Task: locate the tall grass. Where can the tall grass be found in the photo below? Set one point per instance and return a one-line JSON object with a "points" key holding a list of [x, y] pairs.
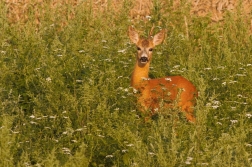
{"points": [[66, 99]]}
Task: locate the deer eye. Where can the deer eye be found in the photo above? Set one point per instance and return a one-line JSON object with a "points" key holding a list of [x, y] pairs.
{"points": [[138, 48], [151, 49]]}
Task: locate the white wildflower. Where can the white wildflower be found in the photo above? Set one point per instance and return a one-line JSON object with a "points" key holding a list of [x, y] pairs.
{"points": [[66, 150], [232, 82], [148, 17], [215, 107], [202, 164], [135, 164], [124, 151], [241, 75], [239, 95], [233, 121], [130, 145], [151, 153], [3, 52], [248, 145], [176, 66], [121, 51], [208, 104], [233, 108], [14, 132], [79, 130], [188, 160], [135, 90], [109, 156], [32, 122], [145, 79], [216, 102], [168, 79], [32, 116], [48, 79], [101, 136], [108, 60], [248, 115], [27, 164]]}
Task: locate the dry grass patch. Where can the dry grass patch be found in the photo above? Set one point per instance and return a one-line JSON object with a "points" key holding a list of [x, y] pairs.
{"points": [[21, 10], [218, 8]]}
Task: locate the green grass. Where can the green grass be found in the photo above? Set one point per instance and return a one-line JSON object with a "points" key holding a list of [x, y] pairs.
{"points": [[66, 98]]}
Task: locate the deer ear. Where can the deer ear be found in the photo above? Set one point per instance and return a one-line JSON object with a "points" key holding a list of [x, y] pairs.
{"points": [[159, 37], [133, 35]]}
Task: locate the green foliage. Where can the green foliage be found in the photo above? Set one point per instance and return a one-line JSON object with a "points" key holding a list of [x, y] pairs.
{"points": [[66, 99]]}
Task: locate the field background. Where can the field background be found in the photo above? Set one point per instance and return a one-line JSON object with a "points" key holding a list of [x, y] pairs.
{"points": [[65, 94]]}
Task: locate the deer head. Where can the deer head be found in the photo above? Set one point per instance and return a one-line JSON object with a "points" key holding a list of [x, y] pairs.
{"points": [[145, 46]]}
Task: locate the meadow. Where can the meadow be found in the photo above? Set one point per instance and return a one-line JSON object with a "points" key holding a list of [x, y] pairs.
{"points": [[66, 98]]}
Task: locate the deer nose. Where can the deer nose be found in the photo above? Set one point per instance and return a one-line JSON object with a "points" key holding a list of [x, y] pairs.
{"points": [[144, 59]]}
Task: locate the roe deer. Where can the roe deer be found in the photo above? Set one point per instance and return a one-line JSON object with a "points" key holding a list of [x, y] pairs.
{"points": [[154, 91]]}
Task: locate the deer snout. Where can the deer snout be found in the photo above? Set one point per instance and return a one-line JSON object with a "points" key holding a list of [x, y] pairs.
{"points": [[144, 58]]}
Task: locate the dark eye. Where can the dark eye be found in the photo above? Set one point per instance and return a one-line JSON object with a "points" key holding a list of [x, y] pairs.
{"points": [[150, 49], [138, 48]]}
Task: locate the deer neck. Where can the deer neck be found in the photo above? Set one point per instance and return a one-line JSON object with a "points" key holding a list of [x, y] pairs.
{"points": [[140, 73]]}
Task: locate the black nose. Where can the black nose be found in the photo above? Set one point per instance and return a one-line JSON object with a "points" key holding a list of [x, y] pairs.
{"points": [[144, 59]]}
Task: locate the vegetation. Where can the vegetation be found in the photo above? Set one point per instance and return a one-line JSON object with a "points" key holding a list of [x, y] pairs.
{"points": [[66, 99]]}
